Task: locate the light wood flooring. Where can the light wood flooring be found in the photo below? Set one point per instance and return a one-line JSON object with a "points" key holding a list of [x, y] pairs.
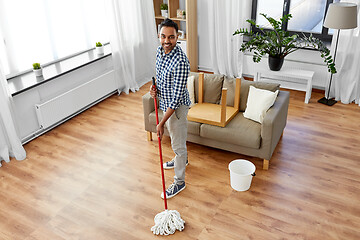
{"points": [[97, 177]]}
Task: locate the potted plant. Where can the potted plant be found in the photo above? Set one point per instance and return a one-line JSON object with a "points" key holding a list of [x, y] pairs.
{"points": [[37, 69], [164, 10], [99, 48], [184, 14], [277, 43]]}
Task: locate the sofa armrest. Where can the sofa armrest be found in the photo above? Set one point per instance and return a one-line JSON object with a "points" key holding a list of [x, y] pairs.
{"points": [[274, 124], [149, 107]]}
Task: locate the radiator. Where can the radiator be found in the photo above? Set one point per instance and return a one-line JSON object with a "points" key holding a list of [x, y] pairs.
{"points": [[70, 102]]}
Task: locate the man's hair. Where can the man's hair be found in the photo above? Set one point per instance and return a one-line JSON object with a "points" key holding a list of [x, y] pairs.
{"points": [[169, 23]]}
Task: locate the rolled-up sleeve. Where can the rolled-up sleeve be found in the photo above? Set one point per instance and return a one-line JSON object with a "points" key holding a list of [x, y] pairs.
{"points": [[181, 73]]}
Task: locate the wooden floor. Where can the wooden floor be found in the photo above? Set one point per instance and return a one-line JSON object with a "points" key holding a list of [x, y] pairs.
{"points": [[97, 177]]}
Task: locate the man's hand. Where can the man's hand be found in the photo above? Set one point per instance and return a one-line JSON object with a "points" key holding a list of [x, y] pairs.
{"points": [[160, 130], [152, 91], [160, 126]]}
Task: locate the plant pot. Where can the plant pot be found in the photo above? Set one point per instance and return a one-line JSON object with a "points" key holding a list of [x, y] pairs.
{"points": [[275, 63], [164, 13], [38, 72], [100, 50]]}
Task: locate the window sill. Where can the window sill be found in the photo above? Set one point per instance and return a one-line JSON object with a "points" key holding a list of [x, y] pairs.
{"points": [[26, 81]]}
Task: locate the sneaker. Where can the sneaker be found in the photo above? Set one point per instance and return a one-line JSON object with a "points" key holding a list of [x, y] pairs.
{"points": [[173, 189], [171, 164]]}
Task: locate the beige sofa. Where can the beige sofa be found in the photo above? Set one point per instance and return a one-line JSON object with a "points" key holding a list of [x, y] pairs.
{"points": [[240, 135]]}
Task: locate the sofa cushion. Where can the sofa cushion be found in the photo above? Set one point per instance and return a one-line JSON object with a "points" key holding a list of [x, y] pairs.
{"points": [[193, 127], [212, 87], [239, 131], [259, 101], [245, 84], [230, 85]]}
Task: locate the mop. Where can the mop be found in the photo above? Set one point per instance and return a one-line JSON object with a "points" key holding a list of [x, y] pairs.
{"points": [[168, 221]]}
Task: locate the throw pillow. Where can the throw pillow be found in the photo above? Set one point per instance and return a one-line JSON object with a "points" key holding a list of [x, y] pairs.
{"points": [[230, 85], [191, 89], [212, 87], [258, 102], [244, 93]]}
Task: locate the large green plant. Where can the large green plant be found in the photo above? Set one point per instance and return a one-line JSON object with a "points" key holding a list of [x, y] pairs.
{"points": [[279, 43]]}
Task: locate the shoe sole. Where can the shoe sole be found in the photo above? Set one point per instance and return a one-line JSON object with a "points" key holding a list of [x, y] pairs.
{"points": [[174, 194], [173, 167]]}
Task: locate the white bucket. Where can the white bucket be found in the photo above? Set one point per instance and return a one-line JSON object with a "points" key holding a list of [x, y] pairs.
{"points": [[241, 174]]}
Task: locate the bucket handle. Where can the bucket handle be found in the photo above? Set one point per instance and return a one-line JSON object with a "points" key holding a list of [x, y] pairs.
{"points": [[253, 174]]}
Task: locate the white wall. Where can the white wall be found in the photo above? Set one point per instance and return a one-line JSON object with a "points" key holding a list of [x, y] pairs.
{"points": [[301, 59]]}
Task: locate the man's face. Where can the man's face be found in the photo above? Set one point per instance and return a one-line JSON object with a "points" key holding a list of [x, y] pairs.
{"points": [[168, 38]]}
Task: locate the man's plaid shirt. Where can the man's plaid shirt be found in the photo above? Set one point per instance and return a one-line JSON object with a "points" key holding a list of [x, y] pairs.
{"points": [[172, 71]]}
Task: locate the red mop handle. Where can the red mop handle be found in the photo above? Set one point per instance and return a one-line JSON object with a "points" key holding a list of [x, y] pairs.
{"points": [[160, 152]]}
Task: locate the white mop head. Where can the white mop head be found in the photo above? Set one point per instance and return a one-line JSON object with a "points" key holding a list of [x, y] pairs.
{"points": [[167, 222]]}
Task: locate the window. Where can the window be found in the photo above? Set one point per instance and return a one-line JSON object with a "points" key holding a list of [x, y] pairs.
{"points": [[307, 15], [43, 30]]}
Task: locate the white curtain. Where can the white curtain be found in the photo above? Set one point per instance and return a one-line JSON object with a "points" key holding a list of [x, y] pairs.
{"points": [[43, 31], [225, 16], [10, 145], [346, 81], [133, 41]]}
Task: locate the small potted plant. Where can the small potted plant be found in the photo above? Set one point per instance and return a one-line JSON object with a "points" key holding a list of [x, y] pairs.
{"points": [[183, 15], [37, 69], [99, 48], [164, 10]]}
